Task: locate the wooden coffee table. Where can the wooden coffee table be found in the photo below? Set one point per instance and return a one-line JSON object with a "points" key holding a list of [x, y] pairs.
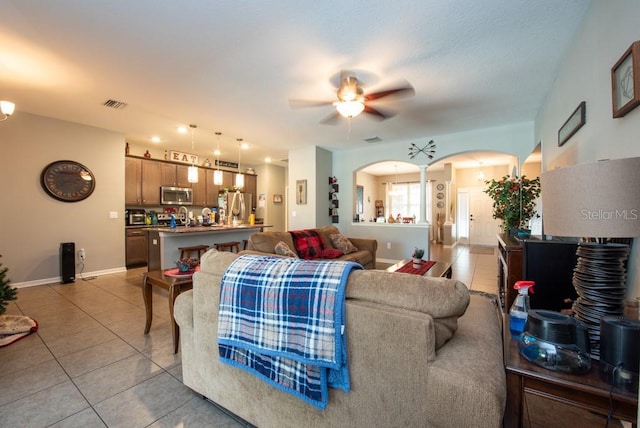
{"points": [[175, 285], [440, 269]]}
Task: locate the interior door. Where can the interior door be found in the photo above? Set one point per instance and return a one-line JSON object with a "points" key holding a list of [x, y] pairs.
{"points": [[482, 226], [462, 216]]}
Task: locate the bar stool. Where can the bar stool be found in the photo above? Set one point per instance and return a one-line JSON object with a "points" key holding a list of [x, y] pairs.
{"points": [[228, 246], [198, 249]]}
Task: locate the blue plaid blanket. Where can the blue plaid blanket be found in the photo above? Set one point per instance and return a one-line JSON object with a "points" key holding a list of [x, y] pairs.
{"points": [[282, 319]]}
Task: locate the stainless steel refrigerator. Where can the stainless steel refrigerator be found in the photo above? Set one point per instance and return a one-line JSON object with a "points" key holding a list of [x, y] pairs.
{"points": [[236, 205]]}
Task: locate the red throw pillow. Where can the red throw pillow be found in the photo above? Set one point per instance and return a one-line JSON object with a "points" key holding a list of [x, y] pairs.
{"points": [[308, 243], [330, 253]]}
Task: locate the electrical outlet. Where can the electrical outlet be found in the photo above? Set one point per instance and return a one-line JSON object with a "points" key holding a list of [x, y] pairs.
{"points": [[82, 255], [388, 245]]}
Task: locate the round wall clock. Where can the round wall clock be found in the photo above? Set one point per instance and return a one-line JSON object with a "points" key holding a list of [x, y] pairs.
{"points": [[67, 181]]}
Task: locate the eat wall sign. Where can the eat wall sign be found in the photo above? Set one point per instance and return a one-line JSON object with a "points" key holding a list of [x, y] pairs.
{"points": [[184, 158]]}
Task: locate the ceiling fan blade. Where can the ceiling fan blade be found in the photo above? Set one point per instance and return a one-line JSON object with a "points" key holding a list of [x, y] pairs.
{"points": [[308, 103], [405, 91], [376, 113], [332, 119]]}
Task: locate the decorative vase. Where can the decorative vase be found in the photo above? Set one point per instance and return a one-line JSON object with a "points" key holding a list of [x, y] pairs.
{"points": [[417, 263]]}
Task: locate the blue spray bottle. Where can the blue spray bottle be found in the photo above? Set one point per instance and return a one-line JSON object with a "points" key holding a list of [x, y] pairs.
{"points": [[172, 224], [520, 308]]}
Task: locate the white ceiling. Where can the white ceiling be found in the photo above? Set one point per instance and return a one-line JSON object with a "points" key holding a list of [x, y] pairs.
{"points": [[232, 66]]}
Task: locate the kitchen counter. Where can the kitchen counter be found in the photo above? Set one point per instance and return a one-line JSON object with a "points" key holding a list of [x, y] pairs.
{"points": [[163, 242], [207, 229]]}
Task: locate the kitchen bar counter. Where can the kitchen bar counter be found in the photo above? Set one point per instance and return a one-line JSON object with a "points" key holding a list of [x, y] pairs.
{"points": [[163, 242]]}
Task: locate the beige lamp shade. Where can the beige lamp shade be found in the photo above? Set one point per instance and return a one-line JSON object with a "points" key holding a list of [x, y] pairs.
{"points": [[597, 200]]}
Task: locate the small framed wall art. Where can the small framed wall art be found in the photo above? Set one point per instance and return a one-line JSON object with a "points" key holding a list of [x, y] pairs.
{"points": [[301, 192], [575, 122], [625, 81]]}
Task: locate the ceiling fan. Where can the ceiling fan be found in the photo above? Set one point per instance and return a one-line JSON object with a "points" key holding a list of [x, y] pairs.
{"points": [[352, 100]]}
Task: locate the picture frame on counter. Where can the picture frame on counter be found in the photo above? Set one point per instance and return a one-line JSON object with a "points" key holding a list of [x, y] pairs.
{"points": [[625, 81], [577, 119]]}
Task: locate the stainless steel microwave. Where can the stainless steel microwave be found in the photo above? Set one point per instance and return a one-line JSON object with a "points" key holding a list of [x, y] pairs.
{"points": [[176, 195]]}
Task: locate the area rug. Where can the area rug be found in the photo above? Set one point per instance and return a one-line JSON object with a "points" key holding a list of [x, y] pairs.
{"points": [[475, 249], [490, 296], [15, 327], [424, 267]]}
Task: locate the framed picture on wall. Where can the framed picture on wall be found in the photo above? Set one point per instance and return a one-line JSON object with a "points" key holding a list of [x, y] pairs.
{"points": [[575, 122], [625, 81], [301, 192], [277, 198]]}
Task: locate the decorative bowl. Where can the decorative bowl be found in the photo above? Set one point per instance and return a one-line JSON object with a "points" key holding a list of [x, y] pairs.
{"points": [[186, 265]]}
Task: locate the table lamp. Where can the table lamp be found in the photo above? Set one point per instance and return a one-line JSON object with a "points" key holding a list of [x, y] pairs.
{"points": [[600, 203]]}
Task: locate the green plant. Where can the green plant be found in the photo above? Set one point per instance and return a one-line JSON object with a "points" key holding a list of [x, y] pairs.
{"points": [[514, 200], [7, 293], [417, 253]]}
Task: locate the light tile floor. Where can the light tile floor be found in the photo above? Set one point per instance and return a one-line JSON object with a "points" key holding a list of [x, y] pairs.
{"points": [[90, 365]]}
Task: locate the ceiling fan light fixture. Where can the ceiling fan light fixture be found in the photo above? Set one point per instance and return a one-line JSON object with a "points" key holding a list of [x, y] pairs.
{"points": [[349, 108], [7, 108]]}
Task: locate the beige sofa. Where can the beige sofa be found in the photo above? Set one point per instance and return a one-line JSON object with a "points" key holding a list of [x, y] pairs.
{"points": [[265, 242], [413, 361]]}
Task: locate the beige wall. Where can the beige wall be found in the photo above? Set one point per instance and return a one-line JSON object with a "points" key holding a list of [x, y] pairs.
{"points": [[608, 30], [33, 224], [271, 180]]}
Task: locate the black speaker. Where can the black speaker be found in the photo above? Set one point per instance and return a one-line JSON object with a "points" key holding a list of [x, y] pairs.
{"points": [[67, 262], [619, 351]]}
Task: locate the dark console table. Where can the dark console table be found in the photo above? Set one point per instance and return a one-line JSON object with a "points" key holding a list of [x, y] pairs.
{"points": [[586, 392], [549, 263], [509, 269]]}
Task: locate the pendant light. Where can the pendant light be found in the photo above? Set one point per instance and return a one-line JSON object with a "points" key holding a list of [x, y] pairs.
{"points": [[480, 173], [239, 175], [192, 172], [217, 174]]}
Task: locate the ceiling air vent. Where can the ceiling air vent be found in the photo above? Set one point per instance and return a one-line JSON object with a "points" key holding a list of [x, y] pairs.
{"points": [[118, 105], [375, 139]]}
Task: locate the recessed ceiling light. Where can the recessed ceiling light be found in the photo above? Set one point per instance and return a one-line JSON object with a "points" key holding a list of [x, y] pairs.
{"points": [[182, 129], [155, 139], [244, 146], [267, 159], [216, 152]]}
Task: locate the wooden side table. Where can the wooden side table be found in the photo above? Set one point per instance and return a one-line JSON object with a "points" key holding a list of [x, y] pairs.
{"points": [[175, 285], [587, 392]]}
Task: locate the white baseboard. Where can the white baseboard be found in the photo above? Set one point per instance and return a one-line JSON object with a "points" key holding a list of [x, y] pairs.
{"points": [[57, 279]]}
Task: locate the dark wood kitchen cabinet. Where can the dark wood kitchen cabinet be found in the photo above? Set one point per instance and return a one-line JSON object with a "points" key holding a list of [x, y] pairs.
{"points": [[141, 182], [132, 181], [251, 187], [175, 175], [150, 186], [136, 247], [144, 177], [212, 190]]}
